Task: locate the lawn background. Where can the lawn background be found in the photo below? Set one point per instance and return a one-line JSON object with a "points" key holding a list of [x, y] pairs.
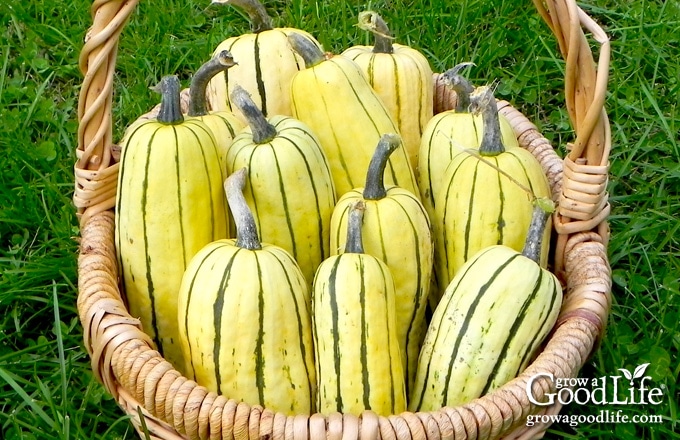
{"points": [[46, 387]]}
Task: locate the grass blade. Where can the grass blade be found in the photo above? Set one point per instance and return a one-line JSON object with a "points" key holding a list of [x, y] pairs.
{"points": [[62, 358], [8, 377]]}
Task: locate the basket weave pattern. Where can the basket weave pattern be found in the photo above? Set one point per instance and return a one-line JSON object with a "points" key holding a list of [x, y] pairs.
{"points": [[169, 406]]}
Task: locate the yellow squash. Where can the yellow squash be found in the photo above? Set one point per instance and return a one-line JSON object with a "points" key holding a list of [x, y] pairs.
{"points": [[170, 204], [448, 134], [333, 97], [494, 315], [290, 187], [358, 360], [396, 230], [402, 78], [486, 196], [244, 318], [224, 124], [266, 63]]}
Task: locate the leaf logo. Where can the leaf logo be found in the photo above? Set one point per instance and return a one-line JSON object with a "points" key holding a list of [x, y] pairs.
{"points": [[639, 372]]}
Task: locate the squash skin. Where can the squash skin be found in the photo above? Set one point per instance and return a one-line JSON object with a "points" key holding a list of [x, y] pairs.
{"points": [[493, 316], [402, 78], [170, 204], [480, 207], [289, 190], [446, 135], [245, 326], [244, 318], [224, 126], [397, 231], [336, 101], [266, 64], [486, 196], [357, 354]]}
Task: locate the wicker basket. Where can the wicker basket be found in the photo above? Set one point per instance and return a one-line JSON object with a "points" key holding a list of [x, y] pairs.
{"points": [[169, 406]]}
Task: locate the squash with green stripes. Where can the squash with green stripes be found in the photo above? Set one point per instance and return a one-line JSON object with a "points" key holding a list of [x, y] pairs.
{"points": [[396, 230], [486, 196], [290, 187], [170, 203], [402, 78], [358, 362], [493, 317], [244, 318], [224, 124], [266, 63], [333, 97], [449, 133]]}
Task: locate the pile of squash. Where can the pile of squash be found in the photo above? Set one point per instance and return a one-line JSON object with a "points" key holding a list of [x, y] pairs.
{"points": [[310, 237]]}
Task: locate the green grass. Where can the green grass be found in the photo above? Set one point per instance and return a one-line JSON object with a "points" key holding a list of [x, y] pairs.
{"points": [[47, 389]]}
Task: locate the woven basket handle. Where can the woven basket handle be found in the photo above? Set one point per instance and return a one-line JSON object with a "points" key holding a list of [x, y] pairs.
{"points": [[96, 170], [583, 204]]}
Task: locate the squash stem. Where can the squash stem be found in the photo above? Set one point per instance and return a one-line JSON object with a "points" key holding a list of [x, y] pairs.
{"points": [[375, 176], [371, 21], [534, 240], [219, 63], [483, 101], [170, 112], [246, 230], [459, 84], [310, 52], [355, 243], [257, 14], [262, 130]]}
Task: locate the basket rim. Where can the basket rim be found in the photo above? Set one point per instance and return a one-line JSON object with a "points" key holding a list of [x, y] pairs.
{"points": [[571, 343]]}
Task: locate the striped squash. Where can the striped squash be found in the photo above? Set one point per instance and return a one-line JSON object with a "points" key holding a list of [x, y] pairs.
{"points": [[486, 197], [170, 204], [290, 187], [448, 134], [396, 230], [224, 124], [358, 363], [244, 318], [265, 60], [493, 317], [333, 97], [402, 78]]}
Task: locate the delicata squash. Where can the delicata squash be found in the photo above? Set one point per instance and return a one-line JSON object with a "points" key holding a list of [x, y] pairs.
{"points": [[395, 229], [493, 317], [170, 204], [333, 97], [356, 345], [402, 78], [244, 318], [266, 63], [486, 196]]}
